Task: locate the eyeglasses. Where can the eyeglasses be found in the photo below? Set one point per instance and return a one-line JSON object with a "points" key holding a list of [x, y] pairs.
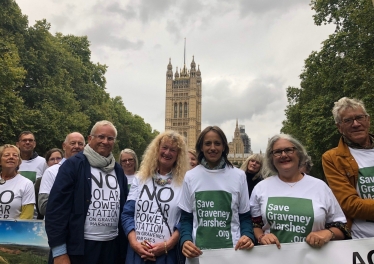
{"points": [[55, 159], [25, 140], [358, 118], [127, 160], [287, 151], [102, 138]]}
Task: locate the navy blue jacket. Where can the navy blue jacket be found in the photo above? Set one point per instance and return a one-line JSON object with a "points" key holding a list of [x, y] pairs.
{"points": [[68, 204]]}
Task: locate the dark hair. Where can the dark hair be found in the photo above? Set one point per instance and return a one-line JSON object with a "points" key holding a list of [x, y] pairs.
{"points": [[200, 141], [51, 151], [25, 133]]}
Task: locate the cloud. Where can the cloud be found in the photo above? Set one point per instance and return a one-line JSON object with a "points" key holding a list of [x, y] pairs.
{"points": [[115, 8], [256, 98], [261, 7], [105, 35]]}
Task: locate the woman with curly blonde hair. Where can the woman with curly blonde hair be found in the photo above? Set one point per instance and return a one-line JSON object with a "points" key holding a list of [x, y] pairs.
{"points": [[151, 212]]}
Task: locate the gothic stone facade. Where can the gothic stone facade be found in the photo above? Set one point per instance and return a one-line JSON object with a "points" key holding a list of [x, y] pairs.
{"points": [[239, 152], [183, 102]]}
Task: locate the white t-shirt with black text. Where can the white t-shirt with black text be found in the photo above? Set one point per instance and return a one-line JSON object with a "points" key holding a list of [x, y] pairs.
{"points": [[149, 197], [104, 210], [15, 193]]}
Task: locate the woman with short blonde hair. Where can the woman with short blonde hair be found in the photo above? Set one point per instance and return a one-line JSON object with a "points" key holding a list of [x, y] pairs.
{"points": [[253, 167], [18, 195]]}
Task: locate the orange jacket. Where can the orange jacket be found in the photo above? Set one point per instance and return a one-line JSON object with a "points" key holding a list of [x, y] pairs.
{"points": [[341, 171]]}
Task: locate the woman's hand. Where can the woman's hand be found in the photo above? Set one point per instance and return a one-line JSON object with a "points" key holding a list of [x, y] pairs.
{"points": [[268, 239], [190, 250], [157, 249], [139, 248], [318, 238], [244, 243]]}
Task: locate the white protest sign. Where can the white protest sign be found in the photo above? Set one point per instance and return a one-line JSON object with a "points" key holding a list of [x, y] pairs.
{"points": [[358, 251]]}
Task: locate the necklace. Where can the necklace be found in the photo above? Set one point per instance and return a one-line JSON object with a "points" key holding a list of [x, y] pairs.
{"points": [[161, 181], [2, 181], [292, 185]]}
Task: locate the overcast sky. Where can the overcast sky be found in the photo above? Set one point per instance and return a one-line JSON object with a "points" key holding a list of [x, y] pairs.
{"points": [[249, 52]]}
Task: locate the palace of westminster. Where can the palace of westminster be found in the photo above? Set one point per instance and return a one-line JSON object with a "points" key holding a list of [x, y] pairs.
{"points": [[183, 110]]}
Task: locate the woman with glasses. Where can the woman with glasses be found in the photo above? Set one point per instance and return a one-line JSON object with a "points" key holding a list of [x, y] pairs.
{"points": [[53, 156], [253, 170], [292, 206], [151, 214], [17, 192], [129, 164]]}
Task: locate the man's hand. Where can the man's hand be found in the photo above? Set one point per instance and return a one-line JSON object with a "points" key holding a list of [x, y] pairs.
{"points": [[62, 259]]}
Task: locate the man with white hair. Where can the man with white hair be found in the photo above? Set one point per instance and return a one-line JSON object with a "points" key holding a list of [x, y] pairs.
{"points": [[73, 144], [349, 168], [85, 204]]}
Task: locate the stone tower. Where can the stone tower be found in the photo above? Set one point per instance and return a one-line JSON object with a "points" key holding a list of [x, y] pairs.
{"points": [[183, 101]]}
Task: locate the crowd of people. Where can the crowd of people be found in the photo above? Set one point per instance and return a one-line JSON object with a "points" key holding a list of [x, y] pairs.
{"points": [[181, 201]]}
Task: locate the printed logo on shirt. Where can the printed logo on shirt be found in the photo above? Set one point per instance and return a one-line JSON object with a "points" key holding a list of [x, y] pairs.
{"points": [[31, 175], [105, 201], [6, 199], [214, 215], [150, 224], [366, 182], [291, 219]]}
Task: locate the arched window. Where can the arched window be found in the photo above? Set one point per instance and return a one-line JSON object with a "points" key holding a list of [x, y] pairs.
{"points": [[185, 110], [175, 110], [180, 109]]}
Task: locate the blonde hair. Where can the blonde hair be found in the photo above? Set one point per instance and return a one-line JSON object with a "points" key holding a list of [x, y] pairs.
{"points": [[2, 148], [256, 157], [149, 164], [193, 152], [133, 154]]}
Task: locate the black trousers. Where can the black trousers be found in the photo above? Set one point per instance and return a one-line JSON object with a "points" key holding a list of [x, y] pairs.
{"points": [[97, 252]]}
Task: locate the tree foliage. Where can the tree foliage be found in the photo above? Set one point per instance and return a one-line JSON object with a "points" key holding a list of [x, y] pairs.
{"points": [[50, 86], [343, 67]]}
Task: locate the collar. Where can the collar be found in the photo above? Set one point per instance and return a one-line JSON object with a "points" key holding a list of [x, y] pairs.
{"points": [[358, 146], [221, 165]]}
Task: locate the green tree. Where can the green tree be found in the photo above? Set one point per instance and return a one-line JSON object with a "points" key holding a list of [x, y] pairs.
{"points": [[343, 67], [50, 86]]}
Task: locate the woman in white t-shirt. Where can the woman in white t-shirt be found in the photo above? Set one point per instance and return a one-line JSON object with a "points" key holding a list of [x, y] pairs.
{"points": [[292, 206], [129, 164], [17, 192], [215, 202], [151, 213]]}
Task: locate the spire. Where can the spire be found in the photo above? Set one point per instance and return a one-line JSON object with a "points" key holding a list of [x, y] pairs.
{"points": [[170, 67], [193, 64], [184, 61], [236, 122]]}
